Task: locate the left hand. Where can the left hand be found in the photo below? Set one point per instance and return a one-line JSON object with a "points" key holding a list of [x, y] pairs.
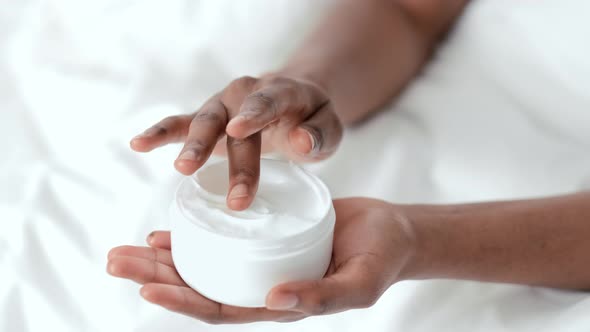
{"points": [[273, 112], [373, 240]]}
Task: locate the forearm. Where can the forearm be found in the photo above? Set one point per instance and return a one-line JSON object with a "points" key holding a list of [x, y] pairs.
{"points": [[364, 52], [537, 242]]}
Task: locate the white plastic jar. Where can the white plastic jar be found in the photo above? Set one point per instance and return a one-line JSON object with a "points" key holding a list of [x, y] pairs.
{"points": [[236, 257]]}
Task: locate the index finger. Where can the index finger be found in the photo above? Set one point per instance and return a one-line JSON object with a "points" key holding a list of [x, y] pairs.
{"points": [[244, 170]]}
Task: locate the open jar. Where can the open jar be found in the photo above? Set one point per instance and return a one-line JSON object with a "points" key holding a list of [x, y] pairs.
{"points": [[236, 257]]}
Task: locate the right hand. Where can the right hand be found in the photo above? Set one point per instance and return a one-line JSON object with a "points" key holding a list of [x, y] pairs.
{"points": [[292, 116], [374, 247]]}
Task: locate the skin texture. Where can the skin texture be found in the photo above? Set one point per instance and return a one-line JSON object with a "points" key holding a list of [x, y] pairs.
{"points": [[376, 244], [361, 55], [372, 243], [364, 53], [295, 117], [541, 242]]}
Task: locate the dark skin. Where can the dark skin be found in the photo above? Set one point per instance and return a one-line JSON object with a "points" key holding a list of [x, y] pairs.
{"points": [[356, 276], [362, 54], [359, 57]]}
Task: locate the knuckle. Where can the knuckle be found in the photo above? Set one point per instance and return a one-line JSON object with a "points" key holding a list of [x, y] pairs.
{"points": [[245, 174], [215, 317], [318, 303], [209, 116], [318, 306], [243, 82], [212, 317], [155, 272], [372, 293], [369, 301], [155, 254], [197, 145], [163, 127], [235, 142], [265, 103], [175, 307], [159, 129], [288, 87], [280, 80]]}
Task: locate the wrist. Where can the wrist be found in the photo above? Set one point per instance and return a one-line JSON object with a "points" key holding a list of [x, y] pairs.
{"points": [[305, 74], [405, 234], [419, 260]]}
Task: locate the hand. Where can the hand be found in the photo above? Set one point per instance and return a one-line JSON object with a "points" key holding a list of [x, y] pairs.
{"points": [[292, 116], [372, 243]]}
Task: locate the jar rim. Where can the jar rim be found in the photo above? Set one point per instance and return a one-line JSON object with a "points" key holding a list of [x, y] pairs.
{"points": [[285, 244]]}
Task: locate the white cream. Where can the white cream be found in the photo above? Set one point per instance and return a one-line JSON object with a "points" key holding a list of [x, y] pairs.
{"points": [[287, 202], [237, 257]]}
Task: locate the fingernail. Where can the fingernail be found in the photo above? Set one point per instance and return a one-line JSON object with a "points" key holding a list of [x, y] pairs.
{"points": [[312, 140], [150, 237], [238, 191], [283, 301], [188, 155]]}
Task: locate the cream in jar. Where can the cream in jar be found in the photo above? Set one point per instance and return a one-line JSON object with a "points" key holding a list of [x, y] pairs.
{"points": [[236, 257]]}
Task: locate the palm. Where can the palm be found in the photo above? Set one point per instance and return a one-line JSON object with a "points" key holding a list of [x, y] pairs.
{"points": [[369, 250], [368, 231], [153, 267]]}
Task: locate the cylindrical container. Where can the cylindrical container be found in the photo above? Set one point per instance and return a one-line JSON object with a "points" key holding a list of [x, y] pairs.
{"points": [[236, 257]]}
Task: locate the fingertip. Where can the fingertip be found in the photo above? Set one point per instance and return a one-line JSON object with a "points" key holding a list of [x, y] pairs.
{"points": [[239, 204], [237, 127], [134, 144], [239, 197], [139, 144], [186, 167], [301, 141], [276, 300], [147, 293], [150, 238], [112, 253], [168, 296], [113, 268], [115, 252], [159, 239], [145, 290]]}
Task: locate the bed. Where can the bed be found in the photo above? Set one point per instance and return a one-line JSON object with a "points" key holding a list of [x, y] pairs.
{"points": [[502, 111]]}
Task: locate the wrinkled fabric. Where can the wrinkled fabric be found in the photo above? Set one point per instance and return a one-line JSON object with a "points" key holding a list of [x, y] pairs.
{"points": [[501, 112]]}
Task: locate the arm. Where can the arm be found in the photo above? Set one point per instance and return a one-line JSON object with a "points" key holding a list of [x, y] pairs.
{"points": [[357, 59], [543, 242], [364, 52], [540, 242]]}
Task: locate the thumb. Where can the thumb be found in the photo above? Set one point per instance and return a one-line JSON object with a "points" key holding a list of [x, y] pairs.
{"points": [[318, 136], [352, 286]]}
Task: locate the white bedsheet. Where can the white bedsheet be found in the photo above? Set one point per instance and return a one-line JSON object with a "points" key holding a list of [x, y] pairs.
{"points": [[501, 112]]}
